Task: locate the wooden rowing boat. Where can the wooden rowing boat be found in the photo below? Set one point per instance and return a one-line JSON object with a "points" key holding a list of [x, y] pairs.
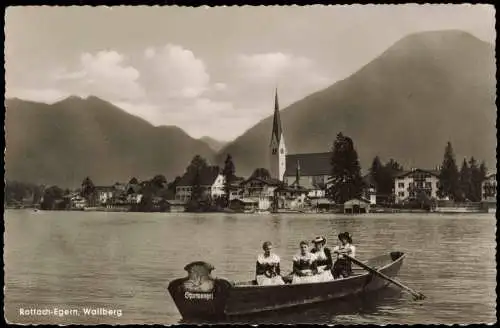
{"points": [[199, 296]]}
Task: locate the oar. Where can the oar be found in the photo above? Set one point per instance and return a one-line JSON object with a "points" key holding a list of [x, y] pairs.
{"points": [[416, 295]]}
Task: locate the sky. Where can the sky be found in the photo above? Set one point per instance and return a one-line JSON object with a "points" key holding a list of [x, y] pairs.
{"points": [[210, 71]]}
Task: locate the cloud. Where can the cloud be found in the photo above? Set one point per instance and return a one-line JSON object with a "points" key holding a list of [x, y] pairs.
{"points": [[277, 66], [149, 53], [170, 85], [255, 76], [174, 72], [220, 86], [198, 117], [104, 74]]}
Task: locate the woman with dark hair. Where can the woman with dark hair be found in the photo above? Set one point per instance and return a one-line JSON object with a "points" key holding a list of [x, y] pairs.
{"points": [[324, 262], [267, 269], [304, 265], [342, 267]]}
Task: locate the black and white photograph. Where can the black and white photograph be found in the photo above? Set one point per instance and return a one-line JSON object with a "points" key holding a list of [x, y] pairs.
{"points": [[253, 165]]}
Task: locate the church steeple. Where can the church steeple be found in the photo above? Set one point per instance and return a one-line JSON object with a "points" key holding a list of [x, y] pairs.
{"points": [[277, 130], [297, 174], [277, 155]]}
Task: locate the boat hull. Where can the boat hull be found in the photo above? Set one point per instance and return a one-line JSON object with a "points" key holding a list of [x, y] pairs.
{"points": [[227, 299]]}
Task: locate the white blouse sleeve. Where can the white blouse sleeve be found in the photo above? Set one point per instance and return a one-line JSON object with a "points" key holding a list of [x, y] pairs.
{"points": [[353, 251]]}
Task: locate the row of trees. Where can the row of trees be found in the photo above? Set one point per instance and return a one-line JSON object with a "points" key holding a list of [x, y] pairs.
{"points": [[463, 185], [200, 201], [21, 194], [346, 181]]}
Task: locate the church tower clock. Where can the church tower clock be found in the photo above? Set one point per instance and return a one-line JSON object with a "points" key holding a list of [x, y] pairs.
{"points": [[277, 148]]}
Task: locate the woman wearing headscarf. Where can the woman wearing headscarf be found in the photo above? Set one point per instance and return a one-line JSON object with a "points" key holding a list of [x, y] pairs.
{"points": [[342, 267], [324, 262], [267, 268], [304, 265]]}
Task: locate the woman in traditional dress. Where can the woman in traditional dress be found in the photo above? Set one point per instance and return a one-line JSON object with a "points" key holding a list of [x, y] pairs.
{"points": [[324, 262], [342, 266], [267, 269], [304, 265]]}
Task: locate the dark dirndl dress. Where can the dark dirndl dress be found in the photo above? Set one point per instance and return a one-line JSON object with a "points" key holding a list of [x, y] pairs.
{"points": [[342, 268]]}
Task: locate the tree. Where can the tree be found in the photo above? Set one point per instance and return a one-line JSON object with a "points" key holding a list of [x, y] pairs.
{"points": [[88, 191], [383, 176], [196, 188], [346, 182], [448, 177], [159, 181], [423, 200], [390, 170], [146, 203], [477, 176], [394, 165], [51, 197], [171, 188], [261, 173], [464, 181], [376, 172], [197, 163], [195, 170], [133, 181], [229, 176], [37, 194], [482, 173]]}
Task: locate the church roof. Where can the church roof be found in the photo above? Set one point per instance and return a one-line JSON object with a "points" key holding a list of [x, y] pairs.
{"points": [[311, 164], [277, 130]]}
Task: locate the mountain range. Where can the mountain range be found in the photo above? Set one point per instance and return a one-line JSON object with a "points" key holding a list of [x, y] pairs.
{"points": [[214, 144], [425, 90], [64, 142]]}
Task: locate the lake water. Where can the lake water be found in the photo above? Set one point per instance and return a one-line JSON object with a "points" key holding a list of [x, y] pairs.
{"points": [[124, 261]]}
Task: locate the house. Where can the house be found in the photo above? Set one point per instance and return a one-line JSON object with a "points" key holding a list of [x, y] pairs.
{"points": [[236, 189], [409, 185], [244, 204], [119, 187], [489, 188], [133, 193], [356, 205], [104, 193], [211, 182], [75, 201], [314, 167], [489, 193], [370, 189], [291, 197], [261, 189], [323, 204], [176, 205]]}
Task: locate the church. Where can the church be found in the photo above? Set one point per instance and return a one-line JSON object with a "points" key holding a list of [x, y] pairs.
{"points": [[309, 170]]}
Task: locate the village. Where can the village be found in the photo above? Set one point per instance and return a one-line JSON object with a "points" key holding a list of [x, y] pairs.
{"points": [[293, 183]]}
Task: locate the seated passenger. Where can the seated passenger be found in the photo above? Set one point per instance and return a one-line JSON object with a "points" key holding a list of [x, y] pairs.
{"points": [[304, 266], [324, 262], [342, 267], [267, 269]]}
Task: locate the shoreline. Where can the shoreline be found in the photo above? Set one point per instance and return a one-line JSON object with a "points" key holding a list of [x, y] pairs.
{"points": [[285, 212]]}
